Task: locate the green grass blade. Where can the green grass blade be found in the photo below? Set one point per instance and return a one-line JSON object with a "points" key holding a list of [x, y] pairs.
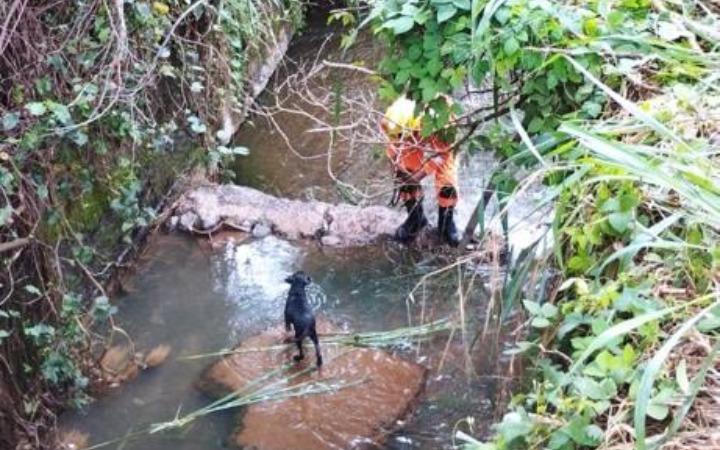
{"points": [[653, 369], [624, 328]]}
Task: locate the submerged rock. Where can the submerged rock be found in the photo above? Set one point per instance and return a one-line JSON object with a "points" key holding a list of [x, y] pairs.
{"points": [[207, 208], [380, 390]]}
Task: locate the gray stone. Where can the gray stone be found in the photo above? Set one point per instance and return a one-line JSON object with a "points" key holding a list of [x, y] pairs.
{"points": [[210, 221], [173, 223], [260, 230], [331, 241], [188, 220]]}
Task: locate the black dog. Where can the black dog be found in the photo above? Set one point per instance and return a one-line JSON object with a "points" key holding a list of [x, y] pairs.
{"points": [[299, 314]]}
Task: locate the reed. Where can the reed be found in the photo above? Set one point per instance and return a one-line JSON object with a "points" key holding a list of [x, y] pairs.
{"points": [[399, 337]]}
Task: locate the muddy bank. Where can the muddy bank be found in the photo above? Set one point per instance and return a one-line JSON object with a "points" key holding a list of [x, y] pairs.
{"points": [[380, 390], [210, 208]]}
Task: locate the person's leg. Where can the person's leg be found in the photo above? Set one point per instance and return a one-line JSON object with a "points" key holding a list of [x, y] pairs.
{"points": [[407, 161], [411, 195], [447, 197]]}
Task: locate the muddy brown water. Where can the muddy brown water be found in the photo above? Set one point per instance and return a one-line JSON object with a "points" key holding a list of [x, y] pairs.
{"points": [[200, 300]]}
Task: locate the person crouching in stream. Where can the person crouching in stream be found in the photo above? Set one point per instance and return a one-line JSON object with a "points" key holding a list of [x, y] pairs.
{"points": [[413, 158]]}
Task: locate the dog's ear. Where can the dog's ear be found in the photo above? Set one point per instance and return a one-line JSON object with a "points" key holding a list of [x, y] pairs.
{"points": [[308, 280]]}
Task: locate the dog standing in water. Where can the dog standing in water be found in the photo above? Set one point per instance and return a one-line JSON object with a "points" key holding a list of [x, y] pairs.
{"points": [[299, 314]]}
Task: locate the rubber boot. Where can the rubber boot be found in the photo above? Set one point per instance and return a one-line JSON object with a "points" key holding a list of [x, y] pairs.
{"points": [[446, 227], [415, 222]]}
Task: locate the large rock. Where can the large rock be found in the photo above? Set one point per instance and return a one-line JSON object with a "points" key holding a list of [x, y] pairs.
{"points": [[208, 208], [382, 390]]}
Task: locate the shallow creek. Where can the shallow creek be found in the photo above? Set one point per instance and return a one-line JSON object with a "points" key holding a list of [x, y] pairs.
{"points": [[200, 299]]}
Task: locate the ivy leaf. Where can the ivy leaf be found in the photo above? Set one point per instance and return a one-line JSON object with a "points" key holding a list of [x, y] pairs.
{"points": [[36, 108], [61, 113], [4, 334], [540, 322], [10, 121]]}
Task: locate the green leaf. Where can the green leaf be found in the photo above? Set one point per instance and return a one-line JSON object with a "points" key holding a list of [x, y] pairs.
{"points": [[540, 322], [658, 411], [532, 307], [623, 328], [434, 66], [61, 113], [511, 45], [620, 221], [10, 121], [514, 425], [79, 138], [33, 290], [587, 387], [711, 322], [5, 213], [549, 310], [4, 334], [462, 4], [445, 12], [36, 108], [400, 25], [643, 402]]}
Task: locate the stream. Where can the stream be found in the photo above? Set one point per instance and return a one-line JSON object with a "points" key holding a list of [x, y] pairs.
{"points": [[200, 297]]}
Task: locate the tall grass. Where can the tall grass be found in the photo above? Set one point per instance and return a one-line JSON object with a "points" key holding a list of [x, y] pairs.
{"points": [[663, 138]]}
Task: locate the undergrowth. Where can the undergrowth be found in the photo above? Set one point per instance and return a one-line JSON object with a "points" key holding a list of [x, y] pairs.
{"points": [[615, 105]]}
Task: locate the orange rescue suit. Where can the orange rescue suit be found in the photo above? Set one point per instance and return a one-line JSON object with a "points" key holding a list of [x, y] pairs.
{"points": [[411, 155]]}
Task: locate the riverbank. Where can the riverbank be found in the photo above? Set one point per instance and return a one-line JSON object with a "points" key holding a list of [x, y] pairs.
{"points": [[133, 96]]}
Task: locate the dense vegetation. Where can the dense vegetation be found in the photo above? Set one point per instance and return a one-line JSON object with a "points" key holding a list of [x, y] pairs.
{"points": [[102, 105], [615, 105]]}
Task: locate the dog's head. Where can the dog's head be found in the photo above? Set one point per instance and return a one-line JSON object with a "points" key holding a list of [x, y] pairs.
{"points": [[299, 278]]}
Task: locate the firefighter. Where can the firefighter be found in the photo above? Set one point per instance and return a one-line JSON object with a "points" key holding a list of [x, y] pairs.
{"points": [[413, 158]]}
